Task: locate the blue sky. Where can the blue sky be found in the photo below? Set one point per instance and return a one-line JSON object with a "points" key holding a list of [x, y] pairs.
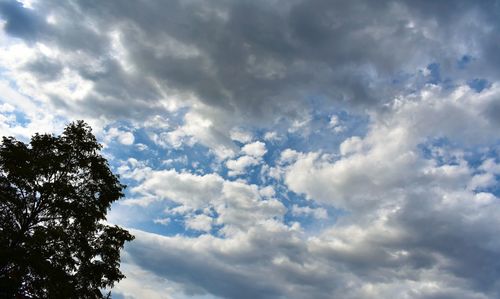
{"points": [[278, 149]]}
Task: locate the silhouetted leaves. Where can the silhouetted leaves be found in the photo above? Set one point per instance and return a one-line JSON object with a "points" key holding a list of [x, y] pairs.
{"points": [[54, 196]]}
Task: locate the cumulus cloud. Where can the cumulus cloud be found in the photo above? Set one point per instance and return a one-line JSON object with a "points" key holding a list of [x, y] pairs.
{"points": [[238, 166], [387, 158], [237, 204], [200, 222], [124, 137], [253, 153], [256, 149]]}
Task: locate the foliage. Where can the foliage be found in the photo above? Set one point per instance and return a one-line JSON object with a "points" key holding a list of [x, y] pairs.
{"points": [[54, 196]]}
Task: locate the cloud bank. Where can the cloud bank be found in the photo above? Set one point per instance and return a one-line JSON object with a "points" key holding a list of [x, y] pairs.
{"points": [[279, 149]]}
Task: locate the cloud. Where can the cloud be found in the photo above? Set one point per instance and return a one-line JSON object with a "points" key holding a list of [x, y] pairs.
{"points": [[386, 159], [271, 136], [406, 207], [250, 62], [238, 166], [200, 222], [187, 189], [256, 149], [20, 21], [124, 137], [236, 204], [413, 225], [318, 213], [253, 153], [241, 135]]}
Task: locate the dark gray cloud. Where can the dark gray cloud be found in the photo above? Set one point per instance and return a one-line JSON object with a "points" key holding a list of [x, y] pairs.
{"points": [[242, 268], [45, 69], [255, 58], [462, 233]]}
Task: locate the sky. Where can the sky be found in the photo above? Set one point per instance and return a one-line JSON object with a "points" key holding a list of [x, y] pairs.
{"points": [[278, 149]]}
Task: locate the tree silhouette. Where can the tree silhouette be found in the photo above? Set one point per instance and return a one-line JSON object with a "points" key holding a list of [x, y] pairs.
{"points": [[54, 196]]}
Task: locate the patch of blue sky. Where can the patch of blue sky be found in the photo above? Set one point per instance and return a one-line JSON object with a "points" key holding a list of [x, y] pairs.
{"points": [[476, 156], [438, 76], [434, 73], [196, 159], [6, 76], [121, 152], [156, 218], [136, 216], [192, 158], [445, 151], [151, 218], [438, 149], [19, 118], [478, 84], [175, 226], [323, 139], [320, 134]]}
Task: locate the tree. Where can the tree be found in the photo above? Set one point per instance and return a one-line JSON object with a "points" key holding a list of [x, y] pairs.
{"points": [[54, 196]]}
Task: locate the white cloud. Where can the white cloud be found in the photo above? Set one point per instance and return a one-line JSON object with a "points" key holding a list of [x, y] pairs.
{"points": [[335, 124], [490, 166], [351, 145], [124, 137], [163, 221], [271, 136], [38, 121], [141, 146], [334, 121], [241, 135], [288, 156], [237, 204], [6, 107], [187, 189], [253, 156], [239, 166], [200, 126], [267, 191], [256, 149], [199, 222]]}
